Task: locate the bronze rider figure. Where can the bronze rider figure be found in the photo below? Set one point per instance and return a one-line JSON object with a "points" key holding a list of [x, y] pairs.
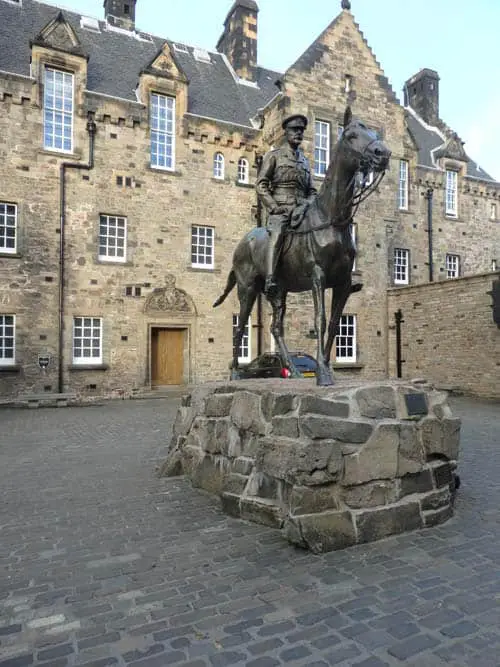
{"points": [[285, 188]]}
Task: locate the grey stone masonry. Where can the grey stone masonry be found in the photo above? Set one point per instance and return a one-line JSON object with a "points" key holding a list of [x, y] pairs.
{"points": [[328, 467]]}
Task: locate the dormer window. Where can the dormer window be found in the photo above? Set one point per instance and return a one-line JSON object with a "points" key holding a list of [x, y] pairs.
{"points": [[451, 193], [58, 110], [126, 9]]}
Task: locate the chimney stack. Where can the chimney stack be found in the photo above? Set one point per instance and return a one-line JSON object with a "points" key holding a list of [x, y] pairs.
{"points": [[422, 95], [239, 40], [120, 13]]}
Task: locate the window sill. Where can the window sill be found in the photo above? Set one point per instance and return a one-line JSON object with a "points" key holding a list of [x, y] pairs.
{"points": [[89, 367], [239, 184], [164, 172], [348, 365], [221, 181], [405, 211], [401, 284], [14, 255], [61, 154], [15, 368], [110, 262], [201, 269]]}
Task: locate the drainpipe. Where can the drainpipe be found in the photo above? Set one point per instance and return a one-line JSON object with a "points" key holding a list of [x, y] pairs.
{"points": [[429, 194], [91, 129]]}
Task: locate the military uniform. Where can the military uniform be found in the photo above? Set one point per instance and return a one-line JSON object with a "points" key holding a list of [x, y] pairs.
{"points": [[285, 188]]}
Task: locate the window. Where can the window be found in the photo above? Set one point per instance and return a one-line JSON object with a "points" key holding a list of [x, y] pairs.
{"points": [[403, 185], [112, 238], [202, 247], [242, 170], [451, 193], [346, 339], [58, 110], [244, 351], [340, 130], [7, 340], [87, 340], [8, 227], [218, 166], [321, 147], [493, 212], [452, 266], [401, 266], [162, 132], [347, 83]]}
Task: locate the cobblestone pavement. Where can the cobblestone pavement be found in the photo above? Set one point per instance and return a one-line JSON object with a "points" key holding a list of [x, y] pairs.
{"points": [[101, 563]]}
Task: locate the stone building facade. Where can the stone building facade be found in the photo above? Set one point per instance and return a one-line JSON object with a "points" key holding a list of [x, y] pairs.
{"points": [[127, 178]]}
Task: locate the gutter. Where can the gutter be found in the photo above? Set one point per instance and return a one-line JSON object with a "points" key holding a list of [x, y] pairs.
{"points": [[91, 129]]}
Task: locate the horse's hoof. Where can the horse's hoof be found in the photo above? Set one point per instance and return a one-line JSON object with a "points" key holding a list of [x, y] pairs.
{"points": [[324, 379]]}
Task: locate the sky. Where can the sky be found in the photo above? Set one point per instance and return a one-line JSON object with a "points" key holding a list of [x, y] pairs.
{"points": [[457, 38]]}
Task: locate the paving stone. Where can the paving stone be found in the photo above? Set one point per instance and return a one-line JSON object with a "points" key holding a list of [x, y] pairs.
{"points": [[412, 646], [460, 629], [295, 653]]}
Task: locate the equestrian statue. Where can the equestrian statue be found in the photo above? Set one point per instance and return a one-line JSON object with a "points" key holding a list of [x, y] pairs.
{"points": [[307, 244]]}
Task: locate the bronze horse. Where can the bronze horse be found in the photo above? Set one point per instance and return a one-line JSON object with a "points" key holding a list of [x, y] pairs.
{"points": [[319, 254]]}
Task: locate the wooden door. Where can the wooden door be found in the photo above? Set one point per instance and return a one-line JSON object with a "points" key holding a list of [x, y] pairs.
{"points": [[167, 357]]}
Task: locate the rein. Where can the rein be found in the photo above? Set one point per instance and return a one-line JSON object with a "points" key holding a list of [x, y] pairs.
{"points": [[354, 202]]}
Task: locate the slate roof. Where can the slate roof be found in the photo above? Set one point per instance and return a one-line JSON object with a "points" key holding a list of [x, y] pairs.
{"points": [[116, 59], [428, 139]]}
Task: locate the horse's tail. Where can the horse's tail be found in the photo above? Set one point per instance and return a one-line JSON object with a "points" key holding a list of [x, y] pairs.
{"points": [[231, 282]]}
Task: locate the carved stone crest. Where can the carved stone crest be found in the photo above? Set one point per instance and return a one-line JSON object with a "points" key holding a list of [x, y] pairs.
{"points": [[170, 299]]}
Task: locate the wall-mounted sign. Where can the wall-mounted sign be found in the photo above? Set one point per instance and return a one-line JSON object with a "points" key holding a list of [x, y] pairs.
{"points": [[43, 360]]}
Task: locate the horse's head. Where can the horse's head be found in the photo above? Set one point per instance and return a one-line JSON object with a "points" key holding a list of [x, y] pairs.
{"points": [[360, 147]]}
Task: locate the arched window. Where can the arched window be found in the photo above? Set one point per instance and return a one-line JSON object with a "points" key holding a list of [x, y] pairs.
{"points": [[242, 170], [218, 165]]}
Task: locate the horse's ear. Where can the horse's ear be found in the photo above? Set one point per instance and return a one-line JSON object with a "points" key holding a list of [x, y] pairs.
{"points": [[347, 116]]}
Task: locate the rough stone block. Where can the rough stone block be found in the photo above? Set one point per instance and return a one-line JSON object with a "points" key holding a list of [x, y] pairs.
{"points": [[264, 486], [319, 427], [286, 426], [419, 482], [218, 405], [411, 458], [298, 461], [443, 474], [183, 421], [323, 406], [250, 444], [172, 467], [436, 499], [441, 437], [235, 483], [263, 511], [192, 456], [228, 438], [377, 402], [438, 404], [231, 504], [435, 517], [274, 405], [211, 473], [243, 465], [372, 494], [392, 520], [246, 413], [377, 459], [313, 500], [322, 532]]}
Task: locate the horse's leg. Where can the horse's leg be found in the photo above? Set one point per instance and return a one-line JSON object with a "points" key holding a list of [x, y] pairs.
{"points": [[278, 303], [339, 299], [247, 295], [323, 374]]}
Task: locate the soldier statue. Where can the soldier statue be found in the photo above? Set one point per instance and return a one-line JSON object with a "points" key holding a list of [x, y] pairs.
{"points": [[285, 188]]}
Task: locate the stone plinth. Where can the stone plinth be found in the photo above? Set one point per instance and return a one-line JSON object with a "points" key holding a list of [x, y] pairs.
{"points": [[329, 467]]}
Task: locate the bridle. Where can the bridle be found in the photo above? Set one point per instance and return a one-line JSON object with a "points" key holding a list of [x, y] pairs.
{"points": [[360, 194]]}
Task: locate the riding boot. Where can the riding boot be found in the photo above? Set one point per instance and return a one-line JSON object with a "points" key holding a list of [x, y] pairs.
{"points": [[273, 250]]}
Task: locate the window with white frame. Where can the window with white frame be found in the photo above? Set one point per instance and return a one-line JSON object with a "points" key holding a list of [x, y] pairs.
{"points": [[112, 238], [403, 185], [401, 266], [340, 131], [451, 193], [7, 340], [8, 227], [244, 350], [345, 341], [243, 170], [87, 340], [58, 96], [493, 211], [162, 131], [202, 247], [452, 266], [218, 166], [321, 147]]}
